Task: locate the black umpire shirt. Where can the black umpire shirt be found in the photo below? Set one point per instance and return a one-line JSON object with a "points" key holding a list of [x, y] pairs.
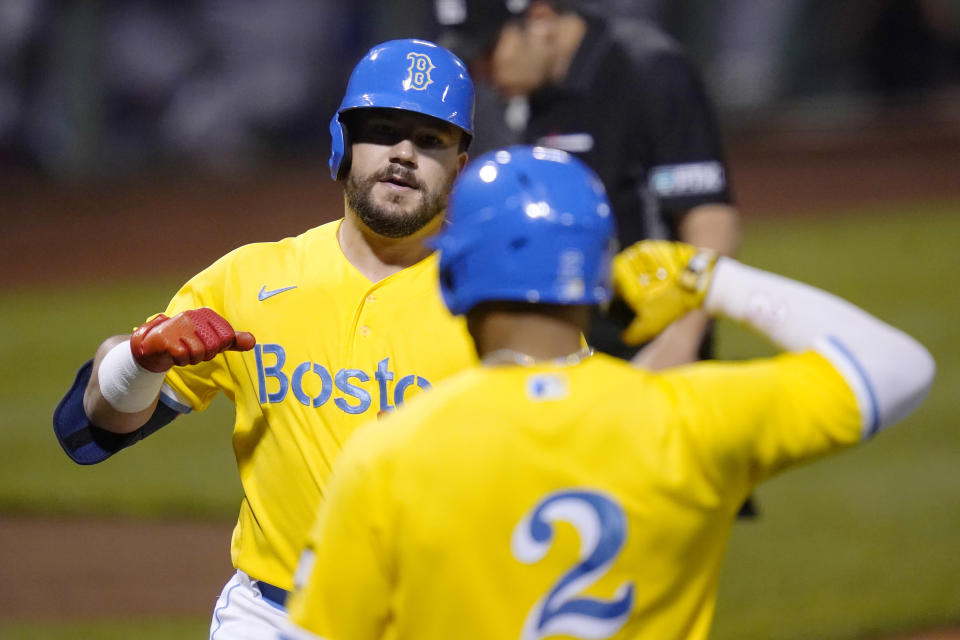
{"points": [[634, 109]]}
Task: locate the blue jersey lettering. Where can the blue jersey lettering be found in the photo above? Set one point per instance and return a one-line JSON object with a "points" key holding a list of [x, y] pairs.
{"points": [[355, 399], [275, 372], [401, 389], [384, 376], [326, 384], [342, 380]]}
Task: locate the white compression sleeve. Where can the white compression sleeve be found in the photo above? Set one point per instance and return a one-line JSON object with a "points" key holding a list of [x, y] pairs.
{"points": [[889, 371], [124, 384]]}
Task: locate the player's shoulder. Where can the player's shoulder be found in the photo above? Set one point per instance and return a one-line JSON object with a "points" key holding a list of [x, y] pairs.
{"points": [[613, 382], [324, 234], [470, 391], [719, 378], [606, 367], [314, 242]]}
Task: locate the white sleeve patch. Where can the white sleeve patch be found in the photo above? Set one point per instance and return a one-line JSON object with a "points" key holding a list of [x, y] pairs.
{"points": [[689, 179]]}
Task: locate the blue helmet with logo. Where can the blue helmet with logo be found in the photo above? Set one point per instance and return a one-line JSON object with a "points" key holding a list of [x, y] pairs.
{"points": [[413, 75], [526, 224]]}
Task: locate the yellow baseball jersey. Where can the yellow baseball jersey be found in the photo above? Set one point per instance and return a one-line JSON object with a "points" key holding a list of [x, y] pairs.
{"points": [[590, 501], [333, 350]]}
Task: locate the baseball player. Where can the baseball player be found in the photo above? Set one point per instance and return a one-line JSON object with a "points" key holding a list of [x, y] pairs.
{"points": [[554, 493], [308, 336], [622, 96]]}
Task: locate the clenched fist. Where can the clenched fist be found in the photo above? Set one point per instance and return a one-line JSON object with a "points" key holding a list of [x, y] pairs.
{"points": [[661, 281], [190, 337]]}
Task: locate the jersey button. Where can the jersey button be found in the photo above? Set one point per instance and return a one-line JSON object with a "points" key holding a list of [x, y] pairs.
{"points": [[371, 298], [365, 331]]}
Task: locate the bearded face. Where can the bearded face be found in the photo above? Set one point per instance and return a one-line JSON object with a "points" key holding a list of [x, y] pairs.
{"points": [[393, 202], [402, 168]]}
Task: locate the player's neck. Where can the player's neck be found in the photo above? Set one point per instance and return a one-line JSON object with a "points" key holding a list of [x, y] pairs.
{"points": [[525, 337], [376, 256]]}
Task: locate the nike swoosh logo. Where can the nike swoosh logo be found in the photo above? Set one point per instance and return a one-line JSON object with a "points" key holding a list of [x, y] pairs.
{"points": [[264, 294]]}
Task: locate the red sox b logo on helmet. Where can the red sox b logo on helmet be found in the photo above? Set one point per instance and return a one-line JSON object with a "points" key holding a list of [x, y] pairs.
{"points": [[419, 72]]}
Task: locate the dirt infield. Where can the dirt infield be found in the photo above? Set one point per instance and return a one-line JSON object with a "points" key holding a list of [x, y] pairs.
{"points": [[87, 568], [935, 634], [69, 569]]}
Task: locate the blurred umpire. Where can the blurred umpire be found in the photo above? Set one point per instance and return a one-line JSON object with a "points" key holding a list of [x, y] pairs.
{"points": [[622, 96]]}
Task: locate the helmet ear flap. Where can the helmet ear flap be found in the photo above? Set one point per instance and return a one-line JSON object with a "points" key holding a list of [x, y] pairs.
{"points": [[339, 148]]}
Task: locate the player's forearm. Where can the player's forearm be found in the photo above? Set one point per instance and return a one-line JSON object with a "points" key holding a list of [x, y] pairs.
{"points": [[105, 414], [678, 344], [712, 226], [889, 371]]}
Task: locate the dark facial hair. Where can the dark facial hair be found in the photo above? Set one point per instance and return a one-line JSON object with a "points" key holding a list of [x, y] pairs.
{"points": [[391, 223]]}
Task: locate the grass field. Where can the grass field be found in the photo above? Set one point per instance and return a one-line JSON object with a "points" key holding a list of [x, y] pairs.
{"points": [[849, 547], [187, 469], [866, 541]]}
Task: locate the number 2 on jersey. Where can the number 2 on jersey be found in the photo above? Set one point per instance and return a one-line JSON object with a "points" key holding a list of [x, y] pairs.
{"points": [[602, 527]]}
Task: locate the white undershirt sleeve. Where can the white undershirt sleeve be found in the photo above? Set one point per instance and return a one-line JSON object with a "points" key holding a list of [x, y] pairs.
{"points": [[889, 372]]}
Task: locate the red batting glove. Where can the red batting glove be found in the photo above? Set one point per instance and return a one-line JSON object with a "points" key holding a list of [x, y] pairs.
{"points": [[189, 337]]}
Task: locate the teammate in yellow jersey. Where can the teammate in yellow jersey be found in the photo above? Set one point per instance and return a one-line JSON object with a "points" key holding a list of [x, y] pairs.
{"points": [[551, 493], [309, 336]]}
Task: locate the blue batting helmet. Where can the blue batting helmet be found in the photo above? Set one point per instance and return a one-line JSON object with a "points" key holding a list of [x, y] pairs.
{"points": [[526, 224], [413, 75]]}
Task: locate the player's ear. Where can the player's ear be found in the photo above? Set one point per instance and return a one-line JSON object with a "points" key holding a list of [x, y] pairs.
{"points": [[462, 159]]}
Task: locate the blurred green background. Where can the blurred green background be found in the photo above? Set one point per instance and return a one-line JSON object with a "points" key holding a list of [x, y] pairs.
{"points": [[138, 120], [858, 545]]}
